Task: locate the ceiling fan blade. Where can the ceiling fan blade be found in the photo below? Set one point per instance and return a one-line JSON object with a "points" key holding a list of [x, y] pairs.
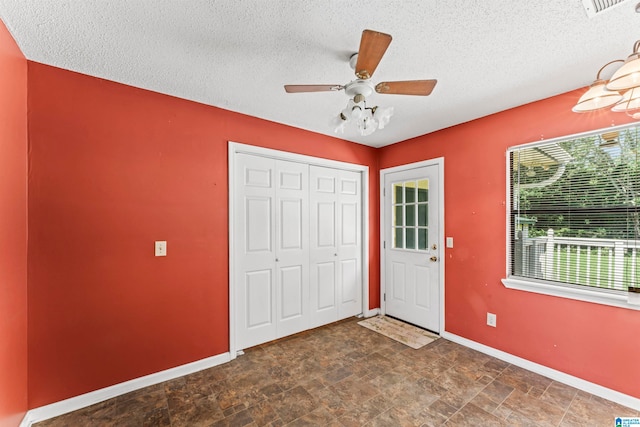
{"points": [[312, 88], [372, 46], [407, 87]]}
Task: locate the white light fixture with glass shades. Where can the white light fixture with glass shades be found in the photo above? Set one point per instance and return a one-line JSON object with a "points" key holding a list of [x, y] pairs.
{"points": [[621, 91]]}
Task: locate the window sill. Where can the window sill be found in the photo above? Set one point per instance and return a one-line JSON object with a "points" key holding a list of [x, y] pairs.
{"points": [[597, 297]]}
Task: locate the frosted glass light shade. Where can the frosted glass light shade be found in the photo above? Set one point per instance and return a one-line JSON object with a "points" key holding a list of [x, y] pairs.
{"points": [[630, 101], [627, 76], [598, 96]]}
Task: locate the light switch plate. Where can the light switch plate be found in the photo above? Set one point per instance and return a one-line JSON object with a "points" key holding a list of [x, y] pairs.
{"points": [[449, 242], [492, 319], [161, 248]]}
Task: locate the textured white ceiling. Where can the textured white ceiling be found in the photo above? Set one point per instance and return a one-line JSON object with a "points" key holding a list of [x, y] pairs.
{"points": [[487, 55]]}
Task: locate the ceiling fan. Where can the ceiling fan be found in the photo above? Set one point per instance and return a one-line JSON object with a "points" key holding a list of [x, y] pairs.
{"points": [[373, 45]]}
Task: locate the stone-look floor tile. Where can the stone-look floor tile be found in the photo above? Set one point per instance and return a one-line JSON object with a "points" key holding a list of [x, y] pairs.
{"points": [[460, 389], [141, 401], [516, 419], [595, 409], [497, 391], [407, 395], [440, 409], [239, 419], [397, 417], [332, 402], [437, 367], [523, 380], [559, 394], [387, 379], [361, 414], [502, 412], [353, 391], [99, 414], [472, 416], [195, 412], [545, 414], [263, 414], [496, 366], [293, 404], [318, 417], [157, 418], [345, 375], [483, 402], [335, 375]]}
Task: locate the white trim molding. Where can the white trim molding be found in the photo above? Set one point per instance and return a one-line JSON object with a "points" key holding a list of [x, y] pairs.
{"points": [[579, 383], [593, 295], [371, 313], [56, 409]]}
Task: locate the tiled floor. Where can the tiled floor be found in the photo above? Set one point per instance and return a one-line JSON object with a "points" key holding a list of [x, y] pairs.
{"points": [[345, 375]]}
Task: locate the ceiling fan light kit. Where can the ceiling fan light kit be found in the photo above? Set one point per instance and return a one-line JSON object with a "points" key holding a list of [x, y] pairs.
{"points": [[621, 91], [373, 45]]}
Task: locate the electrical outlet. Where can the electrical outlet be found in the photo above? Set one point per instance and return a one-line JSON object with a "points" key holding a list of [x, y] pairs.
{"points": [[492, 319]]}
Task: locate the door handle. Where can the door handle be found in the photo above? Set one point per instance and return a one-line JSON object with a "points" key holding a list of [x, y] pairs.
{"points": [[433, 258]]}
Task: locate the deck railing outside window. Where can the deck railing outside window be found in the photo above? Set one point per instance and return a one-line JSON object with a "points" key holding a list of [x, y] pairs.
{"points": [[602, 263]]}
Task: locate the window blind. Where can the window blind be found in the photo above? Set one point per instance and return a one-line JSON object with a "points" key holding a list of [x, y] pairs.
{"points": [[574, 215]]}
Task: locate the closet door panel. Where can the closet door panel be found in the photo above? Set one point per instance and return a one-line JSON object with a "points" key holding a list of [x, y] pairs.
{"points": [[323, 256], [292, 247], [349, 244], [254, 251]]}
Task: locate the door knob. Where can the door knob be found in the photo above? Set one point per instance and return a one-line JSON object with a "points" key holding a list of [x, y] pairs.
{"points": [[434, 258]]}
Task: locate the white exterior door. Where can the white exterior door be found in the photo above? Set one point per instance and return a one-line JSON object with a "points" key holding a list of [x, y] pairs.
{"points": [[335, 244], [272, 235], [411, 246]]}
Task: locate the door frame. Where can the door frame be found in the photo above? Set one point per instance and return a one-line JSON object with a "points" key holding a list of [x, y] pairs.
{"points": [[439, 161], [235, 148]]}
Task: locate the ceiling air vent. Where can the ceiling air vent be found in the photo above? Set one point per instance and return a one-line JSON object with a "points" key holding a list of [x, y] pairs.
{"points": [[595, 7]]}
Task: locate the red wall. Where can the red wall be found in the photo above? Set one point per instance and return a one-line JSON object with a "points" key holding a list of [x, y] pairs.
{"points": [[13, 231], [589, 341], [114, 168]]}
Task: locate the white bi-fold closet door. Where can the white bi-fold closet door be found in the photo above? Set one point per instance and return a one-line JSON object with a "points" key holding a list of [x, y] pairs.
{"points": [[335, 244], [297, 248]]}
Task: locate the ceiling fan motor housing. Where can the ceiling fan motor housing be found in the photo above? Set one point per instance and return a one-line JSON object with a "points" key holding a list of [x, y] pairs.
{"points": [[359, 87]]}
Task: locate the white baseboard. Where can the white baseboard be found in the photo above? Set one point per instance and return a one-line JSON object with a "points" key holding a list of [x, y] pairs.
{"points": [[26, 421], [579, 383], [371, 313], [78, 402]]}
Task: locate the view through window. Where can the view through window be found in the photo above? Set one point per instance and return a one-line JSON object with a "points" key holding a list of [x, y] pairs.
{"points": [[575, 210]]}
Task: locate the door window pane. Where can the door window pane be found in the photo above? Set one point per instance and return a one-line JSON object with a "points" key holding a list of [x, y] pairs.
{"points": [[410, 212], [410, 192], [398, 238], [423, 212], [397, 215], [423, 190], [422, 239], [397, 193], [411, 238]]}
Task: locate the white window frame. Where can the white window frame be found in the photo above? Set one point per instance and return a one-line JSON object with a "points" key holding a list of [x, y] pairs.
{"points": [[556, 289]]}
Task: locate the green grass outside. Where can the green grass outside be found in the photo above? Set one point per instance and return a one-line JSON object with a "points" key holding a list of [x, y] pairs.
{"points": [[560, 267]]}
